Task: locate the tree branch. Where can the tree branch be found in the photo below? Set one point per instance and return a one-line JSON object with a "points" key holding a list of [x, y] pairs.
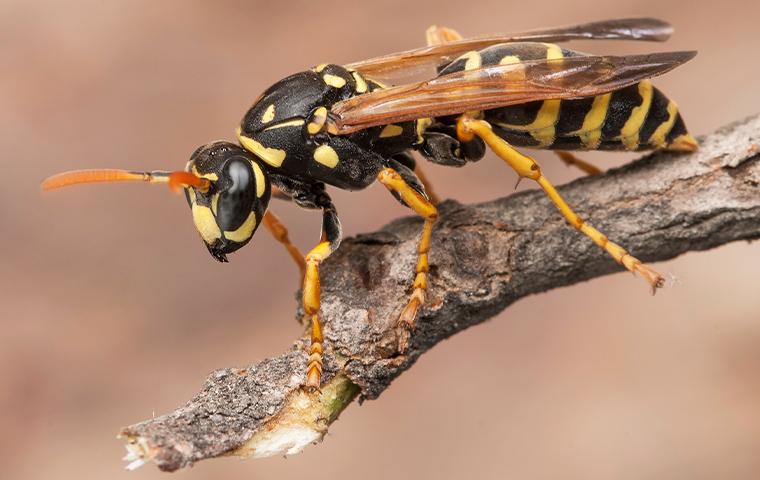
{"points": [[484, 257]]}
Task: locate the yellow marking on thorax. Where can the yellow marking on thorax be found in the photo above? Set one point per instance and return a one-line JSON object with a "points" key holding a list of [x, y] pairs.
{"points": [[326, 155], [334, 80], [629, 134], [391, 131], [319, 67], [590, 132], [361, 84], [318, 119], [268, 115], [290, 123], [244, 231], [658, 136], [543, 126], [260, 179], [272, 156], [205, 223], [420, 126]]}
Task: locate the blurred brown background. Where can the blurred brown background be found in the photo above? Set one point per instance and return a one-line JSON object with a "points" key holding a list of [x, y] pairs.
{"points": [[112, 310]]}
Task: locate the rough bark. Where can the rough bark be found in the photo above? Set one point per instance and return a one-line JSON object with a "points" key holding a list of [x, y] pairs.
{"points": [[484, 257]]}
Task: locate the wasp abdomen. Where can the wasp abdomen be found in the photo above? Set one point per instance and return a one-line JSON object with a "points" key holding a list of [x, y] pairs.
{"points": [[638, 117]]}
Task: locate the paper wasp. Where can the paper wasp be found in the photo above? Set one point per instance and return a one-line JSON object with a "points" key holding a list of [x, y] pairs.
{"points": [[340, 126]]}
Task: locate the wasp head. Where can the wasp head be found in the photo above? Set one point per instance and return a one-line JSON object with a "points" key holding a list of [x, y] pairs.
{"points": [[229, 207]]}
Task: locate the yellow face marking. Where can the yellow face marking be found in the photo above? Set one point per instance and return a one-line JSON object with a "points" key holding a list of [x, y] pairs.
{"points": [[421, 125], [658, 136], [320, 67], [268, 114], [205, 223], [361, 85], [334, 80], [244, 231], [318, 120], [591, 130], [326, 155], [472, 60], [273, 156], [260, 183], [290, 123], [391, 131], [210, 176], [629, 134]]}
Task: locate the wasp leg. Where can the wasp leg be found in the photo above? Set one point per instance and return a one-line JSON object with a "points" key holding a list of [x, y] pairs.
{"points": [[436, 35], [280, 233], [415, 200], [526, 167], [573, 161], [331, 236], [405, 164]]}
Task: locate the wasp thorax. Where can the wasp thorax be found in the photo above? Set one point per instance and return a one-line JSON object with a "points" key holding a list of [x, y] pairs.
{"points": [[228, 212]]}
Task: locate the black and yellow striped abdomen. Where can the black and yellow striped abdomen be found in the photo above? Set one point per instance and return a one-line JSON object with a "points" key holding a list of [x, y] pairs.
{"points": [[638, 117]]}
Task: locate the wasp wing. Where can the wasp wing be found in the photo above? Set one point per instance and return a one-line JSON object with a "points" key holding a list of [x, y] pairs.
{"points": [[422, 62], [499, 86]]}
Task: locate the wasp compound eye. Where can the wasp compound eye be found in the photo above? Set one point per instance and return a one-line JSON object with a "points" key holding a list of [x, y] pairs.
{"points": [[235, 196]]}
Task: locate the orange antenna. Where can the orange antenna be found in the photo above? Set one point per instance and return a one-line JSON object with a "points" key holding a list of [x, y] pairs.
{"points": [[175, 180]]}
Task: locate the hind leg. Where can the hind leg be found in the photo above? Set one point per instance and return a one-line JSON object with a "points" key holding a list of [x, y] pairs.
{"points": [[572, 161], [526, 167]]}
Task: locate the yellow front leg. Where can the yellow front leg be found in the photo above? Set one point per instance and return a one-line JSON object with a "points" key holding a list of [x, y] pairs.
{"points": [[526, 167], [311, 304], [393, 181]]}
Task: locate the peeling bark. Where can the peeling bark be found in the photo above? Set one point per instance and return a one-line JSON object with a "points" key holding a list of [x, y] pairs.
{"points": [[484, 257]]}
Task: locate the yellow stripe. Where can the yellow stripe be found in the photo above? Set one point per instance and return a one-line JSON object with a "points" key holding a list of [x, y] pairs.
{"points": [[543, 127], [272, 156], [290, 123], [590, 132], [244, 231], [260, 182], [629, 134], [658, 136]]}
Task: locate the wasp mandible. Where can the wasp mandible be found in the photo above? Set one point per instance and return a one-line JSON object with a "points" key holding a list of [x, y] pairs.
{"points": [[348, 126]]}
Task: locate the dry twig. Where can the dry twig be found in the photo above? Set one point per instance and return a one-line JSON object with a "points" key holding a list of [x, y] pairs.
{"points": [[484, 257]]}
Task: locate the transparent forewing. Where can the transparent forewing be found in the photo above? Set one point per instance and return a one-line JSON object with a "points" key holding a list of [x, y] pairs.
{"points": [[421, 63], [499, 86]]}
